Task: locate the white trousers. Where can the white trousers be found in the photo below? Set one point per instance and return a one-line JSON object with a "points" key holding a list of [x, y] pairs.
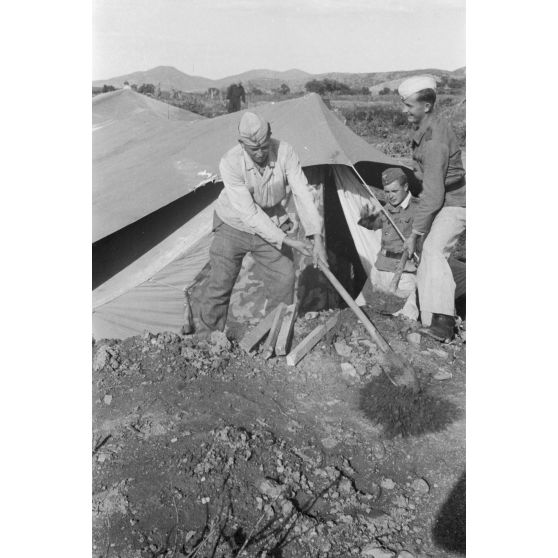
{"points": [[406, 289], [436, 287]]}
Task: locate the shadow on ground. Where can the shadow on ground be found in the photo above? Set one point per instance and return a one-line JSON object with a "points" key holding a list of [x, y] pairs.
{"points": [[449, 530], [400, 411]]}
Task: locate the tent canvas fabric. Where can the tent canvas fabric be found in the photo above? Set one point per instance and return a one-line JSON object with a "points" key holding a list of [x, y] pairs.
{"points": [[137, 145], [117, 106], [140, 165], [148, 294]]}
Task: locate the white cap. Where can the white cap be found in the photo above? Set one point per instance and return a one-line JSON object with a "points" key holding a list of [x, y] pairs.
{"points": [[415, 84]]}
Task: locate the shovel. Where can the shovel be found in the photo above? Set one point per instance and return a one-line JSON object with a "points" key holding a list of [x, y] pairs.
{"points": [[391, 361]]}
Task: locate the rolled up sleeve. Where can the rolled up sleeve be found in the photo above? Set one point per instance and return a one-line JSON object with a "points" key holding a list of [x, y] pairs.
{"points": [[241, 200], [435, 165], [303, 198]]}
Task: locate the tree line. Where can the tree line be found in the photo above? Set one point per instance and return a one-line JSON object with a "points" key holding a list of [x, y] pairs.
{"points": [[321, 86]]}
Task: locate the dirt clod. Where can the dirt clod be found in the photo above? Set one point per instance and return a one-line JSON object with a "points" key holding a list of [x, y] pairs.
{"points": [[414, 338], [270, 488], [342, 349], [421, 486], [348, 371], [374, 551], [388, 484]]}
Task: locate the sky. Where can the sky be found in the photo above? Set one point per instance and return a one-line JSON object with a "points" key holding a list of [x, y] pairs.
{"points": [[218, 38]]}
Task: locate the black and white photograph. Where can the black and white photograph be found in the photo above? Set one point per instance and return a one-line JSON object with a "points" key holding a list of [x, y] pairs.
{"points": [[279, 278]]}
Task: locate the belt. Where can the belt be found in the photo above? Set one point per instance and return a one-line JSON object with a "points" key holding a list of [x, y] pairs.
{"points": [[456, 185], [394, 255]]}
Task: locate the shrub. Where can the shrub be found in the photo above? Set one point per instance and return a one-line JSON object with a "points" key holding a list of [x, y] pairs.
{"points": [[322, 86], [147, 89]]}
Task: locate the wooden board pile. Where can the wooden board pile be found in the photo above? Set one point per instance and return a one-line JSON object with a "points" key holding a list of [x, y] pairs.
{"points": [[278, 325]]}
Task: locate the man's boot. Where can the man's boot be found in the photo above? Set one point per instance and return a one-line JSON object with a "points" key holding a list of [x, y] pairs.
{"points": [[441, 328]]}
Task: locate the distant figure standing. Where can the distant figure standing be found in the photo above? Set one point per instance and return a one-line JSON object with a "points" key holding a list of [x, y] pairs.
{"points": [[235, 93]]}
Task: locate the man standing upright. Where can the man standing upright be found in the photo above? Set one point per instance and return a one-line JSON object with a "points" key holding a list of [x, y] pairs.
{"points": [[440, 216], [235, 94]]}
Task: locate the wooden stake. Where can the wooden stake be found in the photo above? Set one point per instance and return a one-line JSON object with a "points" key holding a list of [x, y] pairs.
{"points": [[269, 346], [286, 332], [310, 341], [253, 337]]}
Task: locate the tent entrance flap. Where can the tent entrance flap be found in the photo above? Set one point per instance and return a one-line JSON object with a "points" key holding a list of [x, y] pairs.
{"points": [[343, 256], [361, 245]]}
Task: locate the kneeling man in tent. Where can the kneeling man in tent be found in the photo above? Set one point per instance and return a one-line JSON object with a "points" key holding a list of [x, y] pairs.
{"points": [[402, 207], [250, 216]]}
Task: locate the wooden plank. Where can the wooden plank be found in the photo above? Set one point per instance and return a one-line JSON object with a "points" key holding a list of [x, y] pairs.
{"points": [[269, 346], [253, 337], [310, 341], [286, 331]]}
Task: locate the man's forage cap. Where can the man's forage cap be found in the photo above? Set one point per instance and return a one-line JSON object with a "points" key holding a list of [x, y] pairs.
{"points": [[392, 174], [253, 129], [415, 84]]}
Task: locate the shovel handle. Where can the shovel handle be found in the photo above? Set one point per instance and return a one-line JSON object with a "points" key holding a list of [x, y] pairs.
{"points": [[374, 333], [399, 271]]}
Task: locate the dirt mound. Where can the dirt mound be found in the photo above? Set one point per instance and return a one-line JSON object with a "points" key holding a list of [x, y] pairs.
{"points": [[201, 450]]}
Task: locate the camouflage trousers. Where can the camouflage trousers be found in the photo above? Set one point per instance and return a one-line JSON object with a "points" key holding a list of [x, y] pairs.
{"points": [[227, 251]]}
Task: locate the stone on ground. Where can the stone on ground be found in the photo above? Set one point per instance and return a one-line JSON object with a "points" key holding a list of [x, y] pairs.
{"points": [[414, 338], [348, 371], [342, 348], [374, 551], [270, 488], [420, 485], [388, 484]]}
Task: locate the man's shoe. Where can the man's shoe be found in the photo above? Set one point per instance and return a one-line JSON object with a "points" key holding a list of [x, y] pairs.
{"points": [[442, 328]]}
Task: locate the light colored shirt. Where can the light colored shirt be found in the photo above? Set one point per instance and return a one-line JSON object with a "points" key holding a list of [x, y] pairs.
{"points": [[405, 203], [253, 201]]}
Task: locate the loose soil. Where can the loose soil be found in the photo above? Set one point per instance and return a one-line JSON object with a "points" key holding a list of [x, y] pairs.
{"points": [[202, 450]]}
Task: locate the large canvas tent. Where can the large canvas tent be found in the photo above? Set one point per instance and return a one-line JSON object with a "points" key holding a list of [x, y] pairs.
{"points": [[155, 181]]}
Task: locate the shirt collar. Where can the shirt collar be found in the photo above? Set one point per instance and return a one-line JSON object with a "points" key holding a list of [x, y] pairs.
{"points": [[422, 128], [271, 160], [405, 203]]}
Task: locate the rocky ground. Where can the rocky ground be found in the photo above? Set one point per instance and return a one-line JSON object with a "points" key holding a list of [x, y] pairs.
{"points": [[201, 450]]}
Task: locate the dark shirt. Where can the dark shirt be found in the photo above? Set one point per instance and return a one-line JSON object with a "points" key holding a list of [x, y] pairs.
{"points": [[236, 92], [439, 167], [242, 93], [392, 245]]}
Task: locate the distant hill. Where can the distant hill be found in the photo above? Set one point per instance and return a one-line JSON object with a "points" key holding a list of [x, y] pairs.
{"points": [[167, 76], [171, 78]]}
